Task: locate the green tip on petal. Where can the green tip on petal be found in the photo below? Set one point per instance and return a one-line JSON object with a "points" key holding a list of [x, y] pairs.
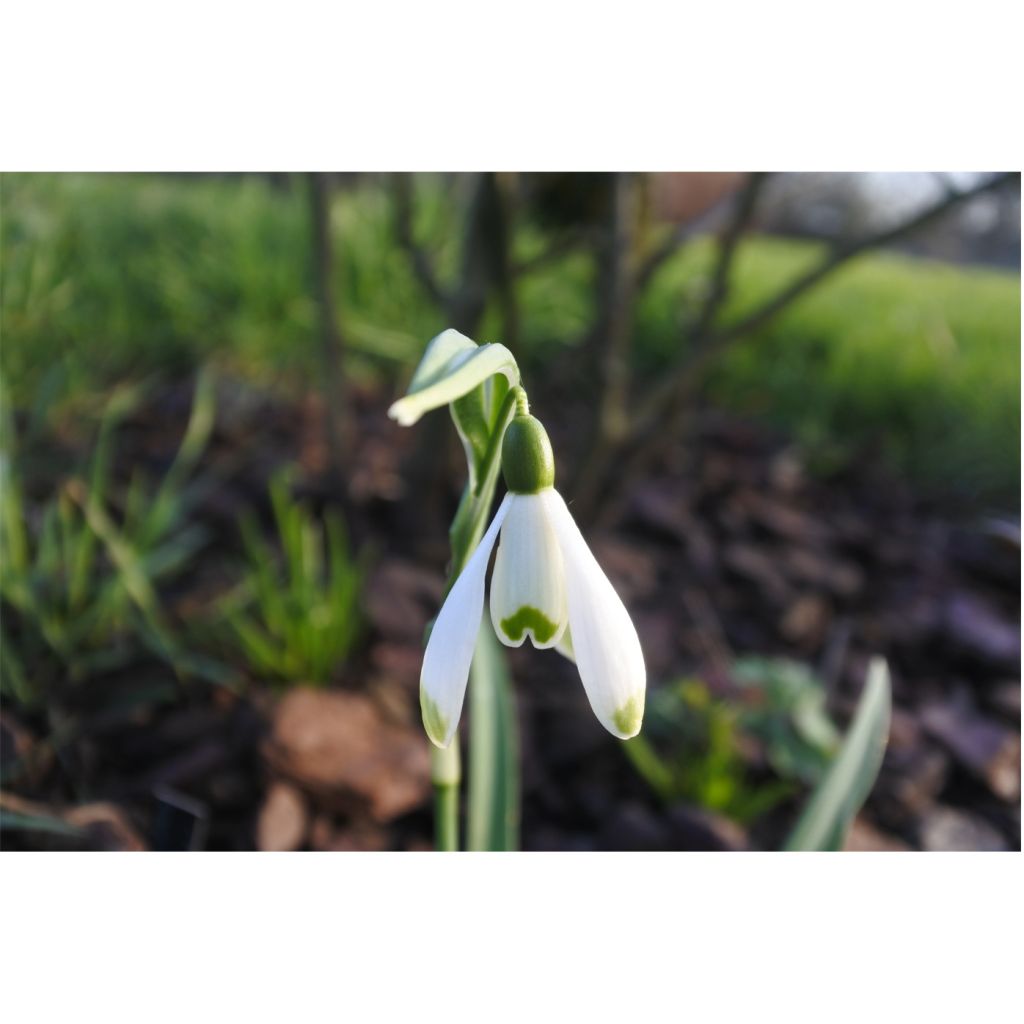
{"points": [[435, 723], [525, 618], [627, 718]]}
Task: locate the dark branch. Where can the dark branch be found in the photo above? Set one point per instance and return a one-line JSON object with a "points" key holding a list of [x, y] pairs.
{"points": [[422, 267], [746, 201], [331, 340], [844, 253], [679, 235], [561, 246]]}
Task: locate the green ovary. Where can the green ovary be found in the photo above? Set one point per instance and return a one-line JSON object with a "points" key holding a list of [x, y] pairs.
{"points": [[434, 722], [529, 618], [627, 718]]}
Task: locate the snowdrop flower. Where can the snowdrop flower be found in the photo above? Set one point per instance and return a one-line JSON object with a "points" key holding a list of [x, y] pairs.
{"points": [[547, 586]]}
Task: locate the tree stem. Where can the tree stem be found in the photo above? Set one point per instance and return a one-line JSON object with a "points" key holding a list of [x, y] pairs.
{"points": [[335, 387]]}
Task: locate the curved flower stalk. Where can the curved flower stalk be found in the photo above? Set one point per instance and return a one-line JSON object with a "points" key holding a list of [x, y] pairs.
{"points": [[547, 586]]}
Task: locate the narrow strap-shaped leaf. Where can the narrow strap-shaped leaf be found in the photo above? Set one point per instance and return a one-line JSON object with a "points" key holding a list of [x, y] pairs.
{"points": [[827, 817], [493, 812]]}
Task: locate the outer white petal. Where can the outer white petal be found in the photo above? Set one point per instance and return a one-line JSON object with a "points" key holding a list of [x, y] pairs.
{"points": [[528, 584], [452, 365], [564, 646], [604, 640], [449, 650]]}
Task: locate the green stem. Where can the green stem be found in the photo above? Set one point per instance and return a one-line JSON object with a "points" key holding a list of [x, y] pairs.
{"points": [[514, 400], [471, 518], [446, 773]]}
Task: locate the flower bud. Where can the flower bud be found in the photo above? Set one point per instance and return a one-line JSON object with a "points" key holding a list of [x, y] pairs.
{"points": [[527, 461]]}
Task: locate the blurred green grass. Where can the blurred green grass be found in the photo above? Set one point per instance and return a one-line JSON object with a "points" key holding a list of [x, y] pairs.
{"points": [[916, 360], [108, 276]]}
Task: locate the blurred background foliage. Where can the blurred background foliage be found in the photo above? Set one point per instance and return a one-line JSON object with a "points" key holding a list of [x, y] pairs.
{"points": [[112, 275], [205, 512]]}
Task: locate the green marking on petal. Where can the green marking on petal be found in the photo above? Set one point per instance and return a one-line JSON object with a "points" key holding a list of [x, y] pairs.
{"points": [[434, 722], [530, 618], [627, 718]]}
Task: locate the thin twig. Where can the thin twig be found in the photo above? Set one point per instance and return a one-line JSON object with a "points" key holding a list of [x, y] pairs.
{"points": [[610, 417], [721, 283], [615, 369], [721, 278], [613, 426], [568, 242], [676, 238], [332, 346], [506, 215], [421, 264]]}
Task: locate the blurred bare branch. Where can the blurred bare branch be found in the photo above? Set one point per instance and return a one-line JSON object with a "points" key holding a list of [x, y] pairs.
{"points": [[570, 240], [657, 410], [677, 238], [669, 247], [703, 350], [485, 263], [614, 327], [332, 345], [746, 203], [619, 292], [423, 268]]}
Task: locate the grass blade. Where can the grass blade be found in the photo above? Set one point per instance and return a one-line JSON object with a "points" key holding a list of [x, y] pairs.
{"points": [[493, 812], [16, 821], [827, 817]]}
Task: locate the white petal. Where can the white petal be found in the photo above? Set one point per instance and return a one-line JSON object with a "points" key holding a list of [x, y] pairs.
{"points": [[604, 640], [452, 365], [528, 585], [449, 650], [564, 646]]}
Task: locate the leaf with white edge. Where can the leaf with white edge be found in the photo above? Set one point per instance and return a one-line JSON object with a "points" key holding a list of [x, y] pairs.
{"points": [[831, 809], [451, 367], [440, 351]]}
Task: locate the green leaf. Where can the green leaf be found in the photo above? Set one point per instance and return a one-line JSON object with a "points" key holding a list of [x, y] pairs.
{"points": [[451, 367], [493, 812], [166, 506], [651, 767], [295, 617], [469, 414], [827, 817]]}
